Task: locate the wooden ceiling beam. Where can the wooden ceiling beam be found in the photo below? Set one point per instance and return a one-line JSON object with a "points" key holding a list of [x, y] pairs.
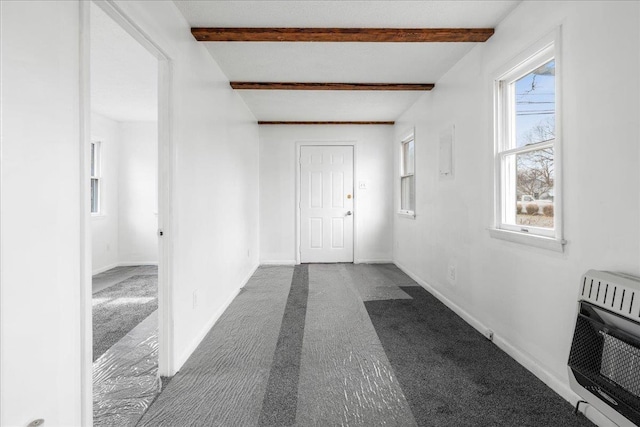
{"points": [[262, 122], [369, 35], [330, 86]]}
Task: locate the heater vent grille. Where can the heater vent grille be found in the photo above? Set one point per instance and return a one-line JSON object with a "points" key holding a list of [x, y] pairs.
{"points": [[604, 362], [621, 363], [614, 292]]}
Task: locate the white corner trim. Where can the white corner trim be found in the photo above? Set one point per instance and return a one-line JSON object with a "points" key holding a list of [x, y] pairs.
{"points": [[549, 243], [551, 380], [278, 262], [212, 321]]}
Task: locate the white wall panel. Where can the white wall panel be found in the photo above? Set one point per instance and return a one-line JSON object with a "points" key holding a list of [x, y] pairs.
{"points": [[315, 228], [373, 205], [505, 285], [215, 203], [138, 193], [40, 214], [337, 232], [215, 209], [104, 227], [315, 193]]}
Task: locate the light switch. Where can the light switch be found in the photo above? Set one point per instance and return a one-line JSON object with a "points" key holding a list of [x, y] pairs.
{"points": [[362, 185]]}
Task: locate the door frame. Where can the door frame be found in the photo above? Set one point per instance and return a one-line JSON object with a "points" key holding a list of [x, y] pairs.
{"points": [[166, 161], [299, 145]]}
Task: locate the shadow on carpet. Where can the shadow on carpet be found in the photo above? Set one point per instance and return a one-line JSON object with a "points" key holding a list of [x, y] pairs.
{"points": [[452, 376], [119, 308]]}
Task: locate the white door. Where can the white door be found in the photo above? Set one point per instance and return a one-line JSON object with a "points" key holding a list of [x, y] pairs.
{"points": [[326, 203]]}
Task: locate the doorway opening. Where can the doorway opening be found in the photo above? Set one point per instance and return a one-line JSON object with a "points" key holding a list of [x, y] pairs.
{"points": [[126, 141]]}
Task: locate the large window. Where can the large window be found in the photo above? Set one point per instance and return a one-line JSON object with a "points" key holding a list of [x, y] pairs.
{"points": [[95, 177], [407, 176], [527, 147]]}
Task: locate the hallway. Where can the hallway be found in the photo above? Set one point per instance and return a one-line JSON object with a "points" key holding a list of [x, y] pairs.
{"points": [[344, 344]]}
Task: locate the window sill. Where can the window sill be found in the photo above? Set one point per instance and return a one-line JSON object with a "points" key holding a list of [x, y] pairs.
{"points": [[407, 214], [552, 244]]}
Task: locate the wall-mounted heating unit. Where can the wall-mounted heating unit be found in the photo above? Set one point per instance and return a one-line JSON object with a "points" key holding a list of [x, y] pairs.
{"points": [[604, 363]]}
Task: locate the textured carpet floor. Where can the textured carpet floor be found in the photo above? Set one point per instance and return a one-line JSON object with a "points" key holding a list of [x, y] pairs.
{"points": [[281, 396], [327, 342], [119, 308], [224, 381], [452, 376]]}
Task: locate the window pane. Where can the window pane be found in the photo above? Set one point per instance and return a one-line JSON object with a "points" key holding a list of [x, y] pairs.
{"points": [[534, 188], [407, 194], [408, 157], [94, 196], [93, 159], [535, 106]]}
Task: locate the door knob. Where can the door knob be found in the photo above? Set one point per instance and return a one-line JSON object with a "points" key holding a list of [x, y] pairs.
{"points": [[349, 213]]}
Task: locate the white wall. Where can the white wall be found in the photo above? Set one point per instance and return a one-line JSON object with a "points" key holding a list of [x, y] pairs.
{"points": [[528, 295], [138, 193], [373, 207], [104, 227], [125, 231], [215, 202], [40, 214], [215, 219]]}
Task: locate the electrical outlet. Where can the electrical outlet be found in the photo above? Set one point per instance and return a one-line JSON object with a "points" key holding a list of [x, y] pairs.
{"points": [[195, 298], [489, 334], [451, 274]]}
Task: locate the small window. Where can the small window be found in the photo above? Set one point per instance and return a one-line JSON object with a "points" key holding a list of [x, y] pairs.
{"points": [[95, 177], [526, 147], [407, 176]]}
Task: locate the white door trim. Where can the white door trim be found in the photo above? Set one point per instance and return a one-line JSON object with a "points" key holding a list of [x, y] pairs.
{"points": [[166, 161], [353, 144]]}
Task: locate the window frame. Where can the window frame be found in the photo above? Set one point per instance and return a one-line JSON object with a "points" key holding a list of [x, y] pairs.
{"points": [[410, 137], [95, 173], [545, 50]]}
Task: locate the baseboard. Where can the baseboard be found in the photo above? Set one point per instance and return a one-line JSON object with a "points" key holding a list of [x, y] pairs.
{"points": [[132, 263], [121, 264], [551, 380], [103, 269], [252, 271], [373, 261], [278, 262], [212, 321], [358, 261]]}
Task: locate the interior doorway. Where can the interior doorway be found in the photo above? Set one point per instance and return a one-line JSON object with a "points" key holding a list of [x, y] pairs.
{"points": [[126, 275], [326, 203]]}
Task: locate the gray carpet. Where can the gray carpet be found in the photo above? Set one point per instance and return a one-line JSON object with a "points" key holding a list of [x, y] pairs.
{"points": [[119, 308], [116, 275], [224, 381], [281, 397], [345, 377], [453, 376], [350, 345]]}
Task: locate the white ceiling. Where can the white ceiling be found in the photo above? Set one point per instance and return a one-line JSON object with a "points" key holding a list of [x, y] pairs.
{"points": [[123, 73], [338, 62]]}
